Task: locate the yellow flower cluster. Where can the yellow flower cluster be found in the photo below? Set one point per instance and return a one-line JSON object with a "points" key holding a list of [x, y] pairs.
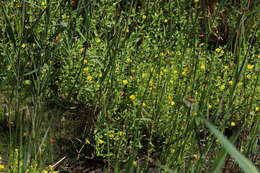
{"points": [[129, 60], [171, 102], [220, 51]]}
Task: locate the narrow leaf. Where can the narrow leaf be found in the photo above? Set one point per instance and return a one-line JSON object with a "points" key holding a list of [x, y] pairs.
{"points": [[245, 164], [220, 159]]}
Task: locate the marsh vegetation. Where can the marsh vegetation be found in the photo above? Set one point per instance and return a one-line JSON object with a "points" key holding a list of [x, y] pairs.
{"points": [[129, 86]]}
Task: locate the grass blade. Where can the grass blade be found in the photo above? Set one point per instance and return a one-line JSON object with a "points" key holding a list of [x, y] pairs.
{"points": [[245, 164], [220, 159]]}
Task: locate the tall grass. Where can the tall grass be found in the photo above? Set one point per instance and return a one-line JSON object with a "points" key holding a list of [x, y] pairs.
{"points": [[126, 82]]}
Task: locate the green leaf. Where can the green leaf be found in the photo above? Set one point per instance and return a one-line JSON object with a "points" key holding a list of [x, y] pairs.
{"points": [[245, 164], [220, 159], [31, 72]]}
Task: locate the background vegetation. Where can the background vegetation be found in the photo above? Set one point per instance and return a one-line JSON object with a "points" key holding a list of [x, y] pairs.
{"points": [[117, 85]]}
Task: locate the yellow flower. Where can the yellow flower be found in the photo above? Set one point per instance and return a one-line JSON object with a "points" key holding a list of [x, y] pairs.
{"points": [[85, 62], [232, 124], [250, 66], [126, 30], [239, 83], [81, 50], [218, 50], [161, 73], [129, 60], [196, 156], [100, 141], [43, 3], [98, 40], [50, 167], [210, 106], [178, 53], [100, 75], [122, 133], [162, 54], [85, 70], [125, 82], [222, 52], [44, 171], [2, 166], [151, 83], [203, 67], [222, 87], [226, 67], [111, 135], [257, 109], [144, 75], [230, 82], [23, 45], [175, 72], [144, 17], [146, 36], [249, 76], [165, 20], [134, 163], [258, 56], [89, 78], [172, 151], [87, 141], [132, 97], [172, 103]]}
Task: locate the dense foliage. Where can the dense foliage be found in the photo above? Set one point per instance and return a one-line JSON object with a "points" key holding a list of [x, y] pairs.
{"points": [[127, 85]]}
